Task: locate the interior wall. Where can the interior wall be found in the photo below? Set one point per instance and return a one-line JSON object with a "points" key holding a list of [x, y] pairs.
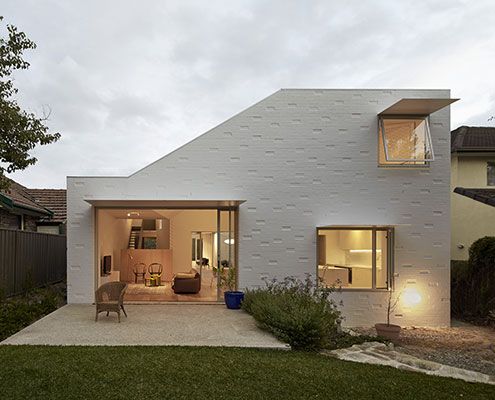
{"points": [[182, 225], [163, 234], [113, 236]]}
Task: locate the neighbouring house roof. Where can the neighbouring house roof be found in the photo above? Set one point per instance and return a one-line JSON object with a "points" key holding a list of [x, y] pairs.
{"points": [[473, 139], [486, 196], [50, 204], [54, 200]]}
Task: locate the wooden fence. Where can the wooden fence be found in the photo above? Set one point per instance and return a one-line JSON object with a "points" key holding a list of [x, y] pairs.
{"points": [[30, 259]]}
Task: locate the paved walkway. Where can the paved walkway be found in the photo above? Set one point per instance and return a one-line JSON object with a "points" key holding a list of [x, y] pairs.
{"points": [[381, 354], [147, 325]]}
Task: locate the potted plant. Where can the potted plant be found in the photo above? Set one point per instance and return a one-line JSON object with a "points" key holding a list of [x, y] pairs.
{"points": [[388, 330], [233, 298]]}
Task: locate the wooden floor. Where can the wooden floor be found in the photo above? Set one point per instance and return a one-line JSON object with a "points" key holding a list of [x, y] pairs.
{"points": [[137, 292]]}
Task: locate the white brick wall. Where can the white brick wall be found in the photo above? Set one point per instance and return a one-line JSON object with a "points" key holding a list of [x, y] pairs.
{"points": [[300, 159]]}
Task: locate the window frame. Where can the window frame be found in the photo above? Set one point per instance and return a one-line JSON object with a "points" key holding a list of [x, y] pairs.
{"points": [[404, 163], [390, 254], [490, 164]]}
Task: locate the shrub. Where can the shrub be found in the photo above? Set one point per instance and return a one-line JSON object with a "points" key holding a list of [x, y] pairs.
{"points": [[17, 313], [297, 312], [473, 282]]}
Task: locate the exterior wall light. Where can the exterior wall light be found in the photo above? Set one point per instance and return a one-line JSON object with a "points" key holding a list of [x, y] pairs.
{"points": [[411, 297]]}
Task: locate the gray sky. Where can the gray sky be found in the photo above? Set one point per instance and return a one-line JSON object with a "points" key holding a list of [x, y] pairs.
{"points": [[129, 81]]}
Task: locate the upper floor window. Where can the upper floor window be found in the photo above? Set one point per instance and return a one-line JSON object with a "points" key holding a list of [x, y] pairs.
{"points": [[404, 141], [490, 173]]}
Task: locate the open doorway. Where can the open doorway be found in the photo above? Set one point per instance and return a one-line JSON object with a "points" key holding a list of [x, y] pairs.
{"points": [[167, 255]]}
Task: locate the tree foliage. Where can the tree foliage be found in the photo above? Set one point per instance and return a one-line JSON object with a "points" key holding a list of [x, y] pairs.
{"points": [[473, 282], [20, 131]]}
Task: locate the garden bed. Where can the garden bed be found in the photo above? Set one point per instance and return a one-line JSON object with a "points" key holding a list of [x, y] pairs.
{"points": [[20, 311], [463, 345]]}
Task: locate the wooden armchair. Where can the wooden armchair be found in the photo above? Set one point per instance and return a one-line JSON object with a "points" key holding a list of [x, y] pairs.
{"points": [[110, 297], [155, 270], [139, 271]]}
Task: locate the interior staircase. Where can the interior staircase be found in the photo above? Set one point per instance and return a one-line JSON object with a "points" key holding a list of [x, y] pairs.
{"points": [[134, 237]]}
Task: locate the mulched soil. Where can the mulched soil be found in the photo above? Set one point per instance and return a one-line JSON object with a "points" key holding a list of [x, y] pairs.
{"points": [[462, 345]]}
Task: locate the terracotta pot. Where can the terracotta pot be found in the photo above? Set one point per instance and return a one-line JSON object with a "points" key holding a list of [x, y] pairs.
{"points": [[390, 332]]}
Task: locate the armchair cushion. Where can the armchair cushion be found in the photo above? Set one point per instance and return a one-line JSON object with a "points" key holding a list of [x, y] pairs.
{"points": [[185, 275]]}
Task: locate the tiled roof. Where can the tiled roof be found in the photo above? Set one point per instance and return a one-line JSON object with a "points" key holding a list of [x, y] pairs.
{"points": [[472, 139], [486, 196], [19, 197], [54, 200], [49, 203]]}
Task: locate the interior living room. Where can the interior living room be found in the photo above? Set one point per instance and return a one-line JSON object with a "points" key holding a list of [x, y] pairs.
{"points": [[166, 255]]}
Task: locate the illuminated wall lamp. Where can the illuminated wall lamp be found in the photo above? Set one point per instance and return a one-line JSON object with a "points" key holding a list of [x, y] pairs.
{"points": [[411, 297], [229, 241]]}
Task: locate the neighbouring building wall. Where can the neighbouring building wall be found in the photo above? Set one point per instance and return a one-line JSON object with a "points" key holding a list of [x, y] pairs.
{"points": [[51, 229], [12, 221], [471, 219], [300, 159], [8, 220]]}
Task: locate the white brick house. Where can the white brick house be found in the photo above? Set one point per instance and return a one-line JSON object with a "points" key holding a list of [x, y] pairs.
{"points": [[299, 160]]}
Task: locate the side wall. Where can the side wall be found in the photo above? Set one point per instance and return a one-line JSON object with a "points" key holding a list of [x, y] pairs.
{"points": [[471, 219], [301, 159]]}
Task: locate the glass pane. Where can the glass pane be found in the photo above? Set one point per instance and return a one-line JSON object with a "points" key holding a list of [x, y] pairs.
{"points": [[227, 252], [149, 243], [491, 174], [406, 141], [381, 260], [345, 258]]}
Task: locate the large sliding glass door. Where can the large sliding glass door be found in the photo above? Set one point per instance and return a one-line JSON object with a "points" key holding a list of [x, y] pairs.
{"points": [[226, 248]]}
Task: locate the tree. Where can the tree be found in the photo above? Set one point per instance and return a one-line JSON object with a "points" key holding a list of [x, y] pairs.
{"points": [[20, 131]]}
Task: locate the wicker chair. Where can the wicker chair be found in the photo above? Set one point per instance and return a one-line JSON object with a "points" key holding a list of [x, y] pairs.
{"points": [[110, 297], [139, 271]]}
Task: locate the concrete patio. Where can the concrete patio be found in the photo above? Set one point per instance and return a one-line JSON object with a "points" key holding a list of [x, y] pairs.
{"points": [[147, 325]]}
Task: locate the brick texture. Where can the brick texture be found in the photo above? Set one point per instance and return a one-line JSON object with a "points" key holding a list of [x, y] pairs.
{"points": [[300, 159]]}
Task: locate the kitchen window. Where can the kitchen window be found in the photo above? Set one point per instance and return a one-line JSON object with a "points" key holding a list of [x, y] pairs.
{"points": [[355, 257]]}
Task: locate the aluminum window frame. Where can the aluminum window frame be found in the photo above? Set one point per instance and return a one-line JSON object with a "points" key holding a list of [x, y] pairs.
{"points": [[400, 161], [390, 254], [490, 169]]}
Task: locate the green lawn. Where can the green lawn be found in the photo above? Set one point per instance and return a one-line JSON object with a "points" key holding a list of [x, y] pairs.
{"points": [[38, 372]]}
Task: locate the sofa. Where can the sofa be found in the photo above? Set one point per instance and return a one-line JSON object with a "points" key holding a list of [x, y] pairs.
{"points": [[187, 282]]}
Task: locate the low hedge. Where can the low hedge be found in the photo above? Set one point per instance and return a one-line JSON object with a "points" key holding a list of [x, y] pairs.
{"points": [[18, 312], [295, 311]]}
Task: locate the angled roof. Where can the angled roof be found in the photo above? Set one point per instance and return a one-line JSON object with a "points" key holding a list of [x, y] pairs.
{"points": [[486, 196], [54, 200], [50, 204], [473, 139]]}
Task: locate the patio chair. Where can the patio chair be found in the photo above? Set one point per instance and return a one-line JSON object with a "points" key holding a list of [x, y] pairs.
{"points": [[110, 297], [155, 270], [139, 270]]}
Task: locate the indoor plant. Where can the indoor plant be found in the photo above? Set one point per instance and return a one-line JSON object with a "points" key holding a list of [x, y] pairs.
{"points": [[233, 298], [388, 330]]}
